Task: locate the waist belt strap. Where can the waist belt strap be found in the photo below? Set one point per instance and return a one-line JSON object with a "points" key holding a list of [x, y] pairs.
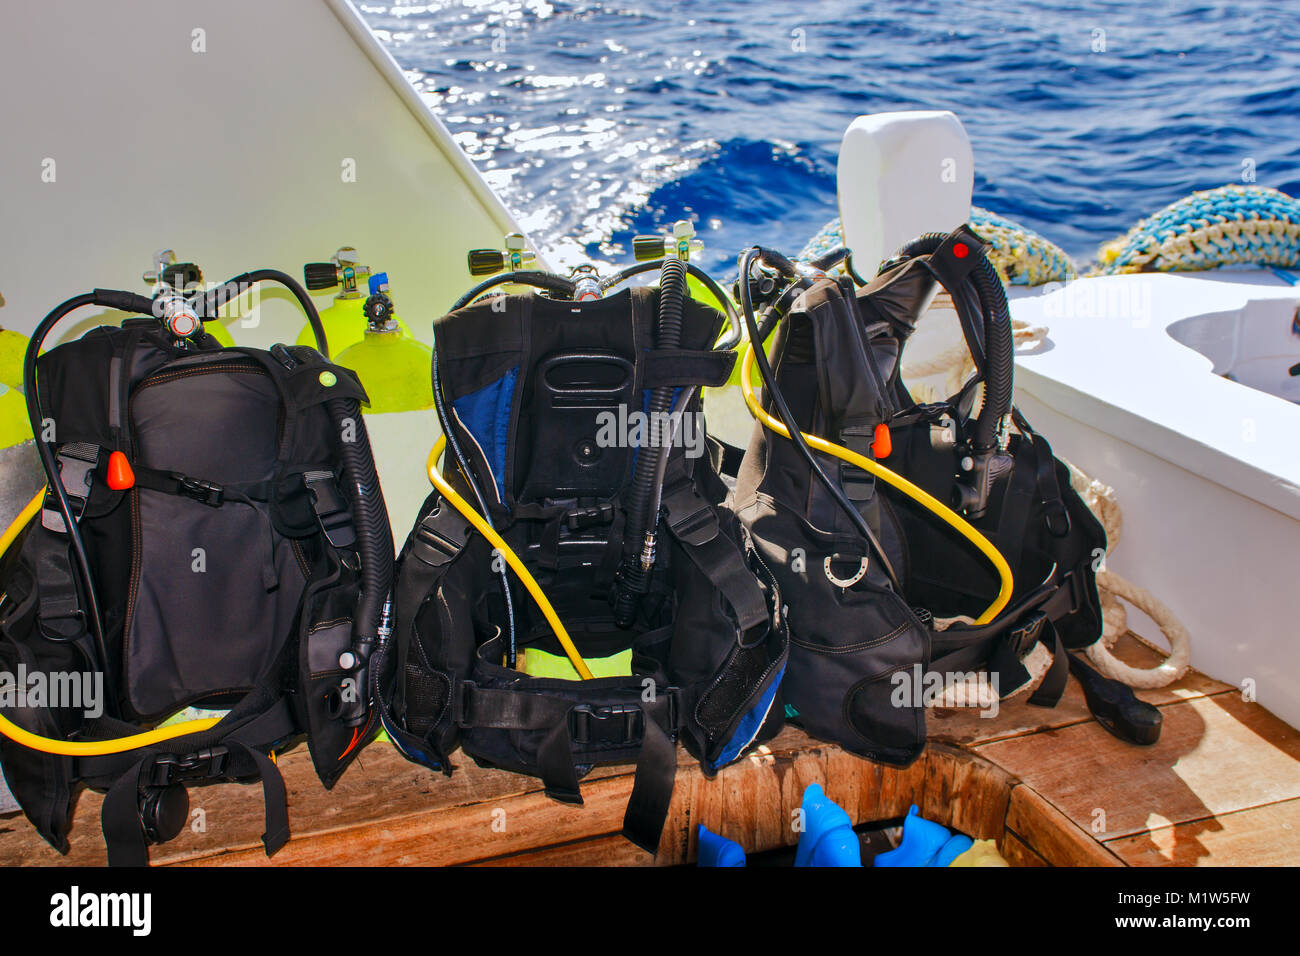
{"points": [[120, 815], [656, 768], [999, 649], [261, 731], [652, 789]]}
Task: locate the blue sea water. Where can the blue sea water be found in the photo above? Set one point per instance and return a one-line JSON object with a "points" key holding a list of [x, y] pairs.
{"points": [[595, 121]]}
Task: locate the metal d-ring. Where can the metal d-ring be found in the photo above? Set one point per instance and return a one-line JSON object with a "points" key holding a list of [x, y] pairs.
{"points": [[844, 582]]}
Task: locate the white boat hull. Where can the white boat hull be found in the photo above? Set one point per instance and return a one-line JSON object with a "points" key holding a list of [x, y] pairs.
{"points": [[1205, 469]]}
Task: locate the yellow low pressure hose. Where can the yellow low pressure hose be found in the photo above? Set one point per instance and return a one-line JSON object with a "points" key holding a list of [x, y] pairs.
{"points": [[512, 559], [920, 495], [83, 748]]}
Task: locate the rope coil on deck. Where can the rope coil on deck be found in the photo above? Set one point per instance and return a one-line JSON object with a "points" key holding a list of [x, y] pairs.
{"points": [[1100, 499]]}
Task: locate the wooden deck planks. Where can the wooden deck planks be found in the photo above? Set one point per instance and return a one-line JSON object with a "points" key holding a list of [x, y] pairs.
{"points": [[1216, 755], [1054, 837], [1261, 836], [1222, 786]]}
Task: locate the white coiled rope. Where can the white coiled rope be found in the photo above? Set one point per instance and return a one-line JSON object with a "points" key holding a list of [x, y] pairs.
{"points": [[1100, 499], [955, 363]]}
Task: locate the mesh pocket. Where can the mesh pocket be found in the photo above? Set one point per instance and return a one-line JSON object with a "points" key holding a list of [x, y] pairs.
{"points": [[426, 698]]}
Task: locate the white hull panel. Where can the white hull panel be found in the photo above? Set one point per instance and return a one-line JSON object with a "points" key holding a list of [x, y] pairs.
{"points": [[1206, 470]]}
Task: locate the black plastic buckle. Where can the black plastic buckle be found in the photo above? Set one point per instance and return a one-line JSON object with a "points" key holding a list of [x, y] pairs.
{"points": [[613, 724], [1022, 637], [588, 517], [690, 517], [206, 764], [77, 464], [204, 492], [439, 536], [331, 509], [858, 485]]}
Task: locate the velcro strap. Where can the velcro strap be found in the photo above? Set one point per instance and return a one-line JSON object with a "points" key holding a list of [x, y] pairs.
{"points": [[509, 709], [672, 367], [59, 610]]}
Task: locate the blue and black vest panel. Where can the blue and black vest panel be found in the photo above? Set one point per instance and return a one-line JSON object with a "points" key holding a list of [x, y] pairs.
{"points": [[532, 383]]}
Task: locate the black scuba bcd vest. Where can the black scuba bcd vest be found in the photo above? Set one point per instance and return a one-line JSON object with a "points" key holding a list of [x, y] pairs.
{"points": [[227, 575], [857, 638], [531, 383]]}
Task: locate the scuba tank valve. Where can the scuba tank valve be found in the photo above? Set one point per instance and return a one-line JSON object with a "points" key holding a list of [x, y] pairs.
{"points": [[378, 308], [679, 245], [515, 255], [586, 283], [178, 293], [342, 270], [174, 285]]}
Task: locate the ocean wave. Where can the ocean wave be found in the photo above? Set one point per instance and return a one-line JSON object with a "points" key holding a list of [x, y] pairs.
{"points": [[596, 121]]}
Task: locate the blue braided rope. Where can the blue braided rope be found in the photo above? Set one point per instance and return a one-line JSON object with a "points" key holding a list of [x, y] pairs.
{"points": [[1225, 226], [1022, 256]]}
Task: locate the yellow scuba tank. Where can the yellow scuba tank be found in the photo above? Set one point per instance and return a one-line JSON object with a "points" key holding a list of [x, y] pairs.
{"points": [[14, 425], [393, 366], [20, 469], [13, 345], [394, 370], [344, 318]]}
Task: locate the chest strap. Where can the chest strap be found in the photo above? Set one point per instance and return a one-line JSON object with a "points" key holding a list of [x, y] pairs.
{"points": [[205, 492]]}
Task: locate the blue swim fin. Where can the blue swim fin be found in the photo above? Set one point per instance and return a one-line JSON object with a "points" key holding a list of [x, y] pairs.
{"points": [[827, 838], [717, 850]]}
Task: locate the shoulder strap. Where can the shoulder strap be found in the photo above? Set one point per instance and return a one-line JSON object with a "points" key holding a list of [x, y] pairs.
{"points": [[693, 521]]}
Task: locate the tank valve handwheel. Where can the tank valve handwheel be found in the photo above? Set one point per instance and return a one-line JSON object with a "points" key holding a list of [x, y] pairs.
{"points": [[679, 245], [514, 256], [378, 309], [343, 270]]}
